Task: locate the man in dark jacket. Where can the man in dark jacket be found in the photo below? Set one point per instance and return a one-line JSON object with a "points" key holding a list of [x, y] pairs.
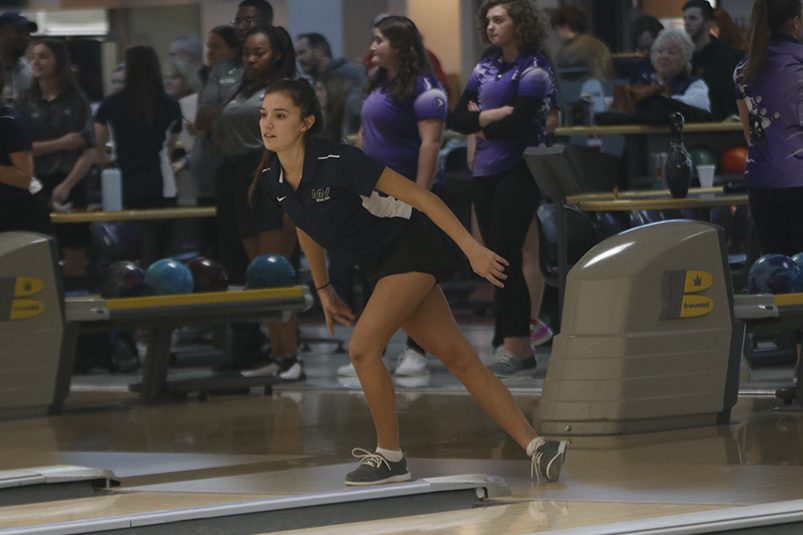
{"points": [[712, 62]]}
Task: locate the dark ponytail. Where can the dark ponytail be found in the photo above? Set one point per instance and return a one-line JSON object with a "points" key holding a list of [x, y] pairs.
{"points": [[768, 16]]}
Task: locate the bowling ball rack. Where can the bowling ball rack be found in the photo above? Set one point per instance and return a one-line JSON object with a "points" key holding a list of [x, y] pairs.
{"points": [[161, 314], [767, 313]]}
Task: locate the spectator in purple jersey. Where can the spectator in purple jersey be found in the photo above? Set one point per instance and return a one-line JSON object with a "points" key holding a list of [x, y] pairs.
{"points": [[402, 125], [770, 103], [402, 236], [506, 102]]}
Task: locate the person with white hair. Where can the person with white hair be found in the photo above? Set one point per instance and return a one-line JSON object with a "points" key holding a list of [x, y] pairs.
{"points": [[671, 55]]}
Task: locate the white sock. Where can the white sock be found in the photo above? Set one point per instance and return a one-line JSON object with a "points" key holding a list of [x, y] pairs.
{"points": [[534, 445], [393, 456]]}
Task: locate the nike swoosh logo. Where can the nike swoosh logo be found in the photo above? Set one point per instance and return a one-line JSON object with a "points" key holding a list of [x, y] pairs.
{"points": [[280, 199]]}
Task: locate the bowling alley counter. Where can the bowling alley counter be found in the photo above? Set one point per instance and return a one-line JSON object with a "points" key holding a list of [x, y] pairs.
{"points": [[640, 129], [151, 214], [626, 201]]}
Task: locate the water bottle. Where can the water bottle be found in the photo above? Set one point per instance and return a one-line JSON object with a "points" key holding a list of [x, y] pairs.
{"points": [[111, 185], [678, 170]]}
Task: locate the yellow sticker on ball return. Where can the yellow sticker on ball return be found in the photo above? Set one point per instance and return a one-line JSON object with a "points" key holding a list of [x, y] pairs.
{"points": [[697, 281], [23, 309], [695, 305], [27, 286]]}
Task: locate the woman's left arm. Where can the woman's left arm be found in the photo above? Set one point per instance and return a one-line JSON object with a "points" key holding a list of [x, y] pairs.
{"points": [[101, 137], [744, 118], [431, 133], [484, 262], [76, 174], [19, 173], [517, 122]]}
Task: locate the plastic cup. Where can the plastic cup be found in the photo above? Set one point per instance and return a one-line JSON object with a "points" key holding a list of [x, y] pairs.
{"points": [[706, 175], [657, 168]]}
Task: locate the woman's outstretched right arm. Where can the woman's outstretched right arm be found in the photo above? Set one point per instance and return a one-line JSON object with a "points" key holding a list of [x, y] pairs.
{"points": [[334, 309]]}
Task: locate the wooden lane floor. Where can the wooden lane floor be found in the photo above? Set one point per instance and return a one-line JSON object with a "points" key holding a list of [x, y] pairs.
{"points": [[233, 449], [228, 450]]}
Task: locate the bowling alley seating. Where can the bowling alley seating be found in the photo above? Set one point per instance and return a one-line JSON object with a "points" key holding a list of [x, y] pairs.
{"points": [[568, 233]]}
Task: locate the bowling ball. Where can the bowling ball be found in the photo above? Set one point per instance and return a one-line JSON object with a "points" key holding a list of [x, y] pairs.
{"points": [[115, 240], [733, 161], [775, 274], [269, 271], [702, 156], [168, 276], [124, 279], [209, 276], [611, 223], [798, 259], [644, 217]]}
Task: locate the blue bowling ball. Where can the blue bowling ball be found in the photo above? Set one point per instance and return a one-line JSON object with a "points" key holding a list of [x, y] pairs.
{"points": [[168, 276], [269, 271], [775, 274], [124, 279], [798, 259]]}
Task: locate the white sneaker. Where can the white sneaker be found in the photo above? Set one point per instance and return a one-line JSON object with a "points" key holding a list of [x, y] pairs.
{"points": [[291, 369], [347, 370], [411, 364], [268, 370]]}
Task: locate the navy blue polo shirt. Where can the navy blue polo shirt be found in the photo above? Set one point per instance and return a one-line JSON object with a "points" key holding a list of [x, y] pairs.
{"points": [[138, 144], [13, 138], [336, 204]]}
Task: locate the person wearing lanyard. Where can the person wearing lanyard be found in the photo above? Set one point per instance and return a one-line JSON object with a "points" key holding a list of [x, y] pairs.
{"points": [[402, 237]]}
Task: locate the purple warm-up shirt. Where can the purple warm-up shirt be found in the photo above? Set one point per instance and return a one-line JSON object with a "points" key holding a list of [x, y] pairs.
{"points": [[774, 101], [498, 84], [390, 127]]}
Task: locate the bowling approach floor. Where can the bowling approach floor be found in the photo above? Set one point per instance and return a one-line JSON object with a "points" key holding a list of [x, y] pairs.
{"points": [[237, 448]]}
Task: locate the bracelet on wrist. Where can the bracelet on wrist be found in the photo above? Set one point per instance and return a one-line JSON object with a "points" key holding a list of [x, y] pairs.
{"points": [[318, 289]]}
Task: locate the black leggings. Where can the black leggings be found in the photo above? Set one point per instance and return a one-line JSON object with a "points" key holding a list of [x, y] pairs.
{"points": [[778, 216], [505, 205]]}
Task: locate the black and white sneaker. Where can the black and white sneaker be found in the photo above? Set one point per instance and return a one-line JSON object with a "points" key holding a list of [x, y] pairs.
{"points": [[375, 469], [291, 369], [547, 458]]}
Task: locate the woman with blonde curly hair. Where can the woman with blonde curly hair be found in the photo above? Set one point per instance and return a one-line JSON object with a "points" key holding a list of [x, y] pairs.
{"points": [[506, 102]]}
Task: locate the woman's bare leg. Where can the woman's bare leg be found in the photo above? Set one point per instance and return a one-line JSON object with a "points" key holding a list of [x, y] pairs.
{"points": [[434, 327], [283, 335], [531, 266], [394, 300]]}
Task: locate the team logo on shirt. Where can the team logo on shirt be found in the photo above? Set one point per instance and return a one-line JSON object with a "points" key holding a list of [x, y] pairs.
{"points": [[320, 194]]}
